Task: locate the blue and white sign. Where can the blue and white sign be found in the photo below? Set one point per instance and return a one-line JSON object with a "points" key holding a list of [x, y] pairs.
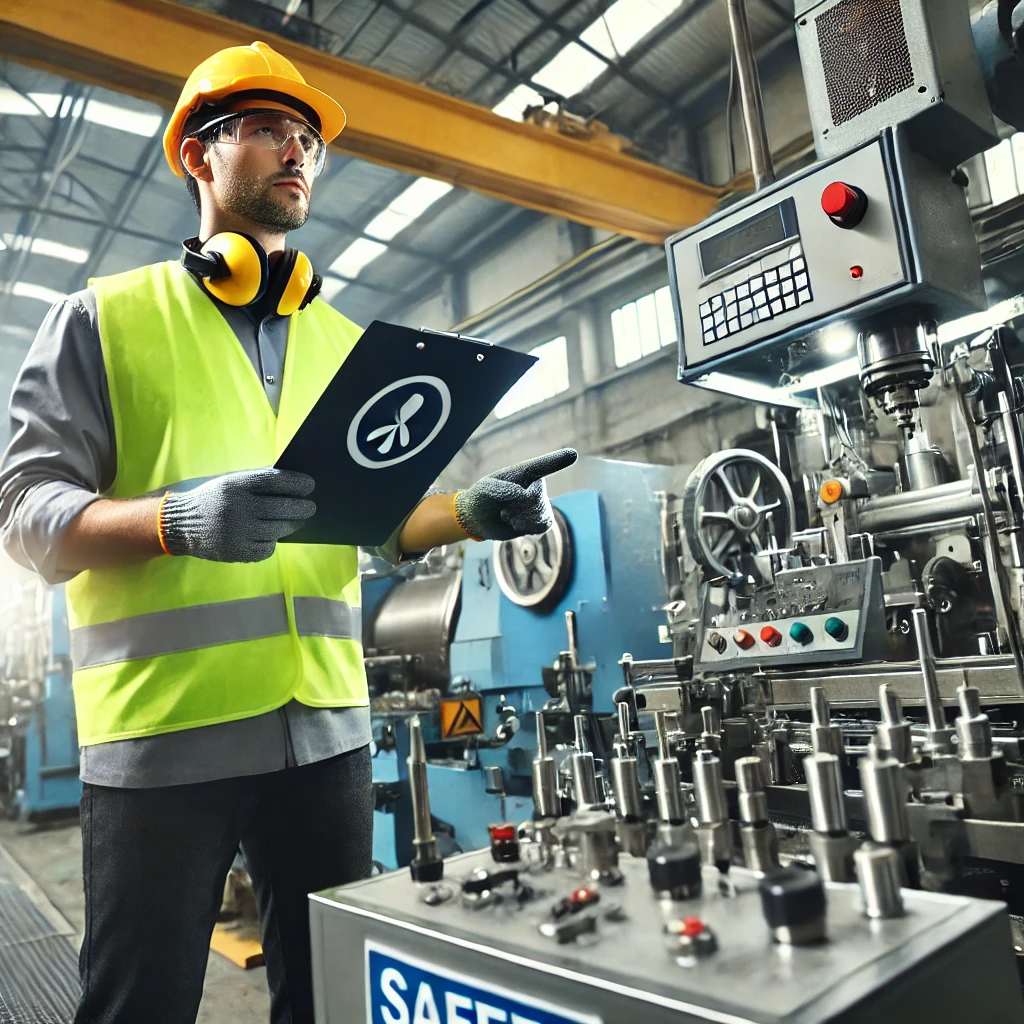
{"points": [[399, 421], [403, 990]]}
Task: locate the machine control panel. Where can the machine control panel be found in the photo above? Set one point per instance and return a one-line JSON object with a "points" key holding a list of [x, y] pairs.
{"points": [[818, 614], [838, 240], [549, 945]]}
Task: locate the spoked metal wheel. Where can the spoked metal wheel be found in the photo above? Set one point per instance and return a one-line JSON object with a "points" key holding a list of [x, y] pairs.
{"points": [[734, 502], [533, 572]]}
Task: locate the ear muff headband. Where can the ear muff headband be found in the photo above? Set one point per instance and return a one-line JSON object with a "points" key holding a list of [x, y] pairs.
{"points": [[248, 270], [236, 271]]}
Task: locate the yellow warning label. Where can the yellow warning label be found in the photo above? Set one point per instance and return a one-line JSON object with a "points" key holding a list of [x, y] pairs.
{"points": [[461, 716]]}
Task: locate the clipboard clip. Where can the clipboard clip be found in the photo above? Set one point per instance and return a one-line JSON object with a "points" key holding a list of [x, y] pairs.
{"points": [[454, 334]]}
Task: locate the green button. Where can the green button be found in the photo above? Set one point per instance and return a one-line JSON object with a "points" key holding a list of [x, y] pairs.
{"points": [[801, 633], [836, 628]]}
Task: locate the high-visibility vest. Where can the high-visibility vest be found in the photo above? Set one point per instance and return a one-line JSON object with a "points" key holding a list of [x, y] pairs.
{"points": [[178, 642]]}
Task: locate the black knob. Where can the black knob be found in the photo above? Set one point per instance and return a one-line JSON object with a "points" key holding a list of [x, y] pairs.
{"points": [[792, 897], [675, 870]]}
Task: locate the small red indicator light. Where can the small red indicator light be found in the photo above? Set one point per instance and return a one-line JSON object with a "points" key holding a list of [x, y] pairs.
{"points": [[856, 273], [692, 926]]}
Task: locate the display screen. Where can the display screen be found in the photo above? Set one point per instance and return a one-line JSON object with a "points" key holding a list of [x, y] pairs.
{"points": [[748, 238]]}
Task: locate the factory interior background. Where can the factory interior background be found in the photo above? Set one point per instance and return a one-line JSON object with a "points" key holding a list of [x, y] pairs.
{"points": [[567, 140]]}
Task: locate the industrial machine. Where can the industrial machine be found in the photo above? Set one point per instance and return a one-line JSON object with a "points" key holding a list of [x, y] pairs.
{"points": [[811, 810], [480, 637], [38, 736]]}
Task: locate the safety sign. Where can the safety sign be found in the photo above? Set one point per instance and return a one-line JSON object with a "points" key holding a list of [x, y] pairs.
{"points": [[461, 716]]}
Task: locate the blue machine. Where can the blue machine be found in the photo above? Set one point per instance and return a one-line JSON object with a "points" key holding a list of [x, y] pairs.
{"points": [[506, 650], [39, 738]]}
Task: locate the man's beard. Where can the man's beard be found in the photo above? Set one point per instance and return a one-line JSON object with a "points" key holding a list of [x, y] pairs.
{"points": [[253, 199]]}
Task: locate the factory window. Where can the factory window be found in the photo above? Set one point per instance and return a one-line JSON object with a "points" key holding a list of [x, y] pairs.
{"points": [[642, 327], [1005, 166], [548, 377]]}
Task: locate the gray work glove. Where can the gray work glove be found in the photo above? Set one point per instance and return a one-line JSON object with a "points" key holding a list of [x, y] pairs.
{"points": [[238, 517], [512, 502]]}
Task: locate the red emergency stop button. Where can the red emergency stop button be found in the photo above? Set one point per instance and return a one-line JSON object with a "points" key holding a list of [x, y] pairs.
{"points": [[771, 636], [692, 926], [844, 204]]}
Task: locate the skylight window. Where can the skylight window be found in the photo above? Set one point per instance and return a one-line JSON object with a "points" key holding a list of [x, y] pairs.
{"points": [[109, 115], [403, 210], [46, 247], [625, 23], [136, 122], [571, 70], [331, 287], [548, 377], [37, 291], [361, 252], [513, 105]]}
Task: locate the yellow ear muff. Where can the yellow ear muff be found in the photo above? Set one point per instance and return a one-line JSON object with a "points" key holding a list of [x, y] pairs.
{"points": [[295, 289], [247, 268]]}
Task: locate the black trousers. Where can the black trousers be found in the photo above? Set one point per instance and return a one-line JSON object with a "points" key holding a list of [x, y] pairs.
{"points": [[154, 864]]}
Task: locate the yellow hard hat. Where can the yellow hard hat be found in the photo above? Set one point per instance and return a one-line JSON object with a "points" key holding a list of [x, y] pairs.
{"points": [[248, 69]]}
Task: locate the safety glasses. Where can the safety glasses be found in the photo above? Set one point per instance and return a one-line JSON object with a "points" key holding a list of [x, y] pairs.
{"points": [[270, 129]]}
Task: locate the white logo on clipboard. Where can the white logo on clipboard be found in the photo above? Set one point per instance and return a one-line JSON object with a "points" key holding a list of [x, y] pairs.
{"points": [[395, 434]]}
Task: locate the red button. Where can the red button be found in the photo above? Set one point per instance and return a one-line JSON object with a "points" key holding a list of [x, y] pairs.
{"points": [[838, 199], [771, 636], [692, 926], [503, 833], [743, 640], [856, 272]]}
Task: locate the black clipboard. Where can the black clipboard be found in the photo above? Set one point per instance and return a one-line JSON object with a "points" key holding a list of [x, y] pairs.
{"points": [[395, 414]]}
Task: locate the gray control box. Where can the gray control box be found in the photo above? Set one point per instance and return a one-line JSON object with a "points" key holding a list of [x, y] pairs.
{"points": [[383, 955], [758, 287], [816, 615]]}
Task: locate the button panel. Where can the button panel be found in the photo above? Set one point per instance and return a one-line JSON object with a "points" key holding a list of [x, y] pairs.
{"points": [[759, 298], [783, 638]]}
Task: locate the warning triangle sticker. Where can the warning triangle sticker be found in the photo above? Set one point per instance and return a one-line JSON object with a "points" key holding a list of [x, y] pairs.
{"points": [[462, 717]]}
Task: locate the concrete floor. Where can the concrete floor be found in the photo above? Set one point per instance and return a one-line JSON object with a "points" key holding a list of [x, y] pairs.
{"points": [[52, 856]]}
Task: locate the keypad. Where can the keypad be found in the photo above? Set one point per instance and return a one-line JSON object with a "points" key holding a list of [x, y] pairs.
{"points": [[762, 297]]}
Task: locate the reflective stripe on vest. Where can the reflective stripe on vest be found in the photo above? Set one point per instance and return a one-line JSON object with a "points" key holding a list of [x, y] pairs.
{"points": [[206, 625], [177, 643]]}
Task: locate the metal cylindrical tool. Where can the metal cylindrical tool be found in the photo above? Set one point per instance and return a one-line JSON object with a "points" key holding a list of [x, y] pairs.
{"points": [[885, 798], [826, 738], [878, 872], [545, 777], [710, 737], [940, 736], [668, 782], [757, 833], [629, 824], [713, 832], [661, 730], [893, 732], [584, 769], [580, 724], [831, 844], [426, 864], [973, 727], [624, 744]]}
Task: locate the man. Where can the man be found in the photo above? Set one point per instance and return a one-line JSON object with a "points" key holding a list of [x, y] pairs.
{"points": [[218, 677]]}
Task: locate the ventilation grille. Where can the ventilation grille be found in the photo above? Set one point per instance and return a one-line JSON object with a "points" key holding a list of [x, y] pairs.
{"points": [[38, 966], [864, 54]]}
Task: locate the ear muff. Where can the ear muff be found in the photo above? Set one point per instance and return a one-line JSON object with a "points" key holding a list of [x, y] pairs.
{"points": [[246, 264], [236, 271], [297, 274]]}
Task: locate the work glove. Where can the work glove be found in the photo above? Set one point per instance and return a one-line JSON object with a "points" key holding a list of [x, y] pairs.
{"points": [[512, 502], [238, 517]]}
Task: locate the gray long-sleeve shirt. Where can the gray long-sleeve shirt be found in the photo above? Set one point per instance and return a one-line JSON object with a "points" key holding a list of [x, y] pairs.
{"points": [[61, 457]]}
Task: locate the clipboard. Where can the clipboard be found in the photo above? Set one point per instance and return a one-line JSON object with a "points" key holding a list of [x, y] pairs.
{"points": [[391, 419]]}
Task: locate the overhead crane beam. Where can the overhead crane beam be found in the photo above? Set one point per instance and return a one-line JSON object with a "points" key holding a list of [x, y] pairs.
{"points": [[148, 47]]}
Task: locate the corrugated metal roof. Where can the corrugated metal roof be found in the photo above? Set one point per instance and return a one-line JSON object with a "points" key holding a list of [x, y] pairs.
{"points": [[115, 197]]}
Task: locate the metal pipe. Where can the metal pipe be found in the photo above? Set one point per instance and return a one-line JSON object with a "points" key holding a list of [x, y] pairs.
{"points": [[825, 792], [878, 872], [973, 728], [750, 95], [893, 732], [885, 799], [662, 732], [545, 777], [934, 504], [626, 782], [580, 723], [826, 738]]}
